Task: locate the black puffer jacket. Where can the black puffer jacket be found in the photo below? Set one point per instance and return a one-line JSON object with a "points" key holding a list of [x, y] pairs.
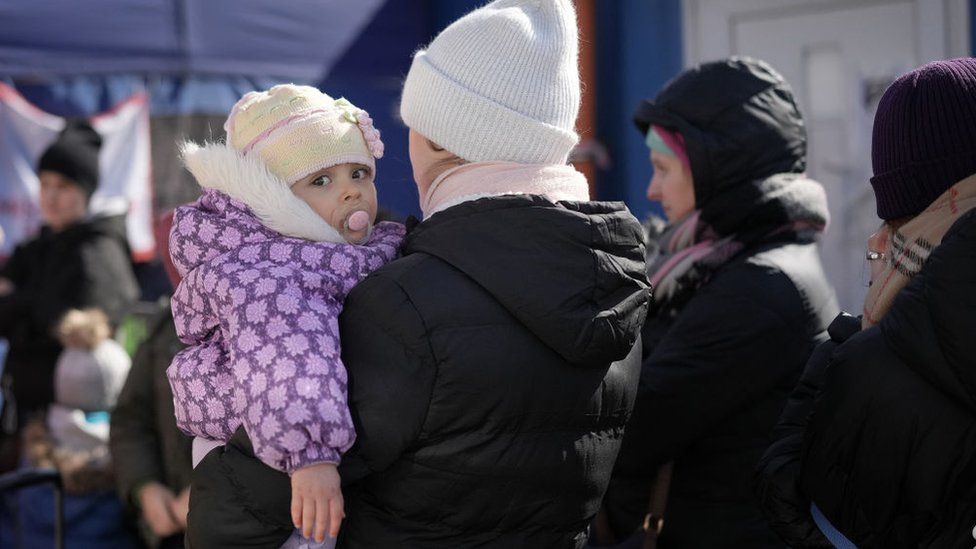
{"points": [[86, 265], [786, 506], [482, 375], [718, 368], [890, 452], [491, 372]]}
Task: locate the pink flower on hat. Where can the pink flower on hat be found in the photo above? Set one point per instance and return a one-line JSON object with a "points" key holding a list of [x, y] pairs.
{"points": [[370, 134]]}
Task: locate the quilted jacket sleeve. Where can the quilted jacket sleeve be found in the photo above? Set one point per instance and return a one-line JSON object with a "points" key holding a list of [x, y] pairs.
{"points": [[271, 362]]}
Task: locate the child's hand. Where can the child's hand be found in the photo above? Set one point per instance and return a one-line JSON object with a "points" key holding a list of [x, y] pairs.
{"points": [[316, 501]]}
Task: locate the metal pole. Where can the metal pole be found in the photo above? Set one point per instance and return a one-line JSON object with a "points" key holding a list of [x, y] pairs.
{"points": [[58, 514]]}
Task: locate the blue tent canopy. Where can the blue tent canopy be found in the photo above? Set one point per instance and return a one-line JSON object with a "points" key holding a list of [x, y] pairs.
{"points": [[296, 40], [197, 57]]}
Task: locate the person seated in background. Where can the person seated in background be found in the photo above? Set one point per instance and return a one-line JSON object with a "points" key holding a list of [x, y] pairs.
{"points": [[78, 260], [73, 439], [151, 455], [877, 445]]}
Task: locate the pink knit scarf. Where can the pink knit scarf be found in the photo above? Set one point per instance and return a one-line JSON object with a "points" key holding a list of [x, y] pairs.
{"points": [[484, 179]]}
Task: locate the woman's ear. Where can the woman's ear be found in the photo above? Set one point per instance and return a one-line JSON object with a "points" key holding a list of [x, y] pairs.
{"points": [[441, 162], [878, 242]]}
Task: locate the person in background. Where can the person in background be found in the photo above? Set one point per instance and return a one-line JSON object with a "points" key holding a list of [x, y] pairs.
{"points": [[151, 455], [72, 438], [878, 444], [740, 302], [78, 260]]}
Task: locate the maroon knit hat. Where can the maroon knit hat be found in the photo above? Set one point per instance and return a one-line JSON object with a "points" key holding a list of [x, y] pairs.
{"points": [[924, 136]]}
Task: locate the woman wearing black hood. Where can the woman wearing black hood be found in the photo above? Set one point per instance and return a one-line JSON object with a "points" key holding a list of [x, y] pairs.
{"points": [[740, 301], [77, 261]]}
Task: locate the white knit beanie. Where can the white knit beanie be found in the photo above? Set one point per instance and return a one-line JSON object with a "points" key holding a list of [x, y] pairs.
{"points": [[501, 83]]}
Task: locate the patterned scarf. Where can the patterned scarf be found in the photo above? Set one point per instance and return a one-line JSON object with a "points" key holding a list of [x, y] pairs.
{"points": [[909, 247], [685, 254], [683, 257]]}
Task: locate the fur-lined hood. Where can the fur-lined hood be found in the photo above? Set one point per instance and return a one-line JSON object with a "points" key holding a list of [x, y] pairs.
{"points": [[220, 167]]}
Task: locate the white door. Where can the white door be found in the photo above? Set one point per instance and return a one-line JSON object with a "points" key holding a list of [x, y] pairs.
{"points": [[839, 56]]}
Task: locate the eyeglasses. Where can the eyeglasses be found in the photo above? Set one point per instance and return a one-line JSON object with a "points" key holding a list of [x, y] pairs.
{"points": [[872, 255]]}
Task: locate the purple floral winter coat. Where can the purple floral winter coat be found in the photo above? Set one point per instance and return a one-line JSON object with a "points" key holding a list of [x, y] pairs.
{"points": [[259, 313]]}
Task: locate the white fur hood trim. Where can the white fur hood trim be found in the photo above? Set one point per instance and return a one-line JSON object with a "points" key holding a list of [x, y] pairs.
{"points": [[220, 167]]}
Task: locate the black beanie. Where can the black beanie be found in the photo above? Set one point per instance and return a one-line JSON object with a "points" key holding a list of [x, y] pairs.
{"points": [[75, 155], [924, 136]]}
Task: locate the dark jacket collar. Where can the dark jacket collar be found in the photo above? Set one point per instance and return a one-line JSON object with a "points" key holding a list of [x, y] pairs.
{"points": [[572, 272]]}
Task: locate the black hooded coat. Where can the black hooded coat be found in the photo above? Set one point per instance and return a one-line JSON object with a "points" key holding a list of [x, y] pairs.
{"points": [[882, 436], [507, 332], [719, 363]]}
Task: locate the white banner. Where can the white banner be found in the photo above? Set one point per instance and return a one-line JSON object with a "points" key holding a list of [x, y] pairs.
{"points": [[126, 171]]}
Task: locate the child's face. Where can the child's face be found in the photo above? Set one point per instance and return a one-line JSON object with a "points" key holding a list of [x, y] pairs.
{"points": [[62, 201], [337, 193]]}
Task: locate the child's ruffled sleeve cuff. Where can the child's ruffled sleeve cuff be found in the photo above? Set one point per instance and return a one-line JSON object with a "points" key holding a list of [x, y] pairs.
{"points": [[311, 456]]}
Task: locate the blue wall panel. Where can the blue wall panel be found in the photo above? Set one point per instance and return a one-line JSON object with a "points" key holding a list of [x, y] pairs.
{"points": [[638, 51]]}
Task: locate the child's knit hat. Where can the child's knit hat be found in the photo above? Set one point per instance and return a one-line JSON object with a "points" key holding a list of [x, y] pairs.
{"points": [[298, 130], [92, 368], [500, 84]]}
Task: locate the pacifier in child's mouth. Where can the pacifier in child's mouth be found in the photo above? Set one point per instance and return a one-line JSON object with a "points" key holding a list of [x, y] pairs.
{"points": [[358, 221]]}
